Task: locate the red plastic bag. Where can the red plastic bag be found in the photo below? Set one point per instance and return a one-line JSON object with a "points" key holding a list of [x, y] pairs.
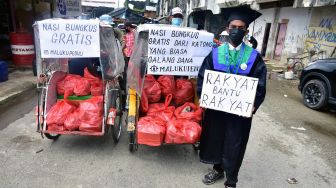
{"points": [[167, 84], [58, 113], [91, 114], [60, 87], [182, 132], [82, 87], [92, 106], [97, 88], [189, 111], [184, 92], [152, 89], [95, 125], [144, 103], [55, 127], [70, 82], [97, 85], [192, 131], [162, 110], [151, 131], [73, 84], [88, 76], [159, 110], [72, 122]]}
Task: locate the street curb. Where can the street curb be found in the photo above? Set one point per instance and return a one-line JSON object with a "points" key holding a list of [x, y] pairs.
{"points": [[11, 98]]}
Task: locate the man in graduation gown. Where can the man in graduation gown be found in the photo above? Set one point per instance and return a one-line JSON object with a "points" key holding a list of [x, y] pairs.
{"points": [[225, 136]]}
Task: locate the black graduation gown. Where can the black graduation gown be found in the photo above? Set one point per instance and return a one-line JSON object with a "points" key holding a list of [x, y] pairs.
{"points": [[223, 129]]}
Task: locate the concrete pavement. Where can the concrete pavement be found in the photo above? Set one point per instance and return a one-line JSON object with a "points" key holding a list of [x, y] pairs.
{"points": [[274, 154], [18, 82]]}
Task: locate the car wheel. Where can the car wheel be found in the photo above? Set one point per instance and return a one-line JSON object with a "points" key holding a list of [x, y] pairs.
{"points": [[315, 94]]}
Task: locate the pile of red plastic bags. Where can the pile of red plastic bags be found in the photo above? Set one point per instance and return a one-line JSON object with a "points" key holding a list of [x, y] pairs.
{"points": [[174, 121], [78, 115], [80, 86], [86, 116]]}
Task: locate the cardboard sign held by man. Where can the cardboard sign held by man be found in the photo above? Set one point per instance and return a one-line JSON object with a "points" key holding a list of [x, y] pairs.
{"points": [[230, 93]]}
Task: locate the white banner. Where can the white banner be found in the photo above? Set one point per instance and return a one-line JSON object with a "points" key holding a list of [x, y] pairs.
{"points": [[69, 38], [230, 93], [177, 51]]}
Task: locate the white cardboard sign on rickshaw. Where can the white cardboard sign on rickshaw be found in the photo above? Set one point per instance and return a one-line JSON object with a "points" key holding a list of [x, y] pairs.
{"points": [[230, 93], [69, 38], [177, 50]]}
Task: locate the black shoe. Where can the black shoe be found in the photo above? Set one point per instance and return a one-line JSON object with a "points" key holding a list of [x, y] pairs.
{"points": [[212, 177]]}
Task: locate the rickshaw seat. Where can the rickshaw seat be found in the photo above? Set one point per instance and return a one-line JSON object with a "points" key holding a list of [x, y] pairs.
{"points": [[77, 65]]}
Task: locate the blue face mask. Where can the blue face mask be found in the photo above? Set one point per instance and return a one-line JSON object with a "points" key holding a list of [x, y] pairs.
{"points": [[177, 21]]}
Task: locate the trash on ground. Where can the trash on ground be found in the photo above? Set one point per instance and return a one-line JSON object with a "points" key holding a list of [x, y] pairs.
{"points": [[299, 128], [289, 75], [292, 181], [39, 151]]}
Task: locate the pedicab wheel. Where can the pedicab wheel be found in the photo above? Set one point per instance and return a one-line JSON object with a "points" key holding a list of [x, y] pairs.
{"points": [[132, 146], [52, 136], [116, 104]]}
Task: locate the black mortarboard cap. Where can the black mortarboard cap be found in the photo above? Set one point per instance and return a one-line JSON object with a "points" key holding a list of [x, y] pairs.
{"points": [[243, 13]]}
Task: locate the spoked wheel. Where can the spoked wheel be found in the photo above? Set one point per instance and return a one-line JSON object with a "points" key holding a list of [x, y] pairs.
{"points": [[315, 94], [34, 67], [52, 136], [132, 142], [117, 104]]}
